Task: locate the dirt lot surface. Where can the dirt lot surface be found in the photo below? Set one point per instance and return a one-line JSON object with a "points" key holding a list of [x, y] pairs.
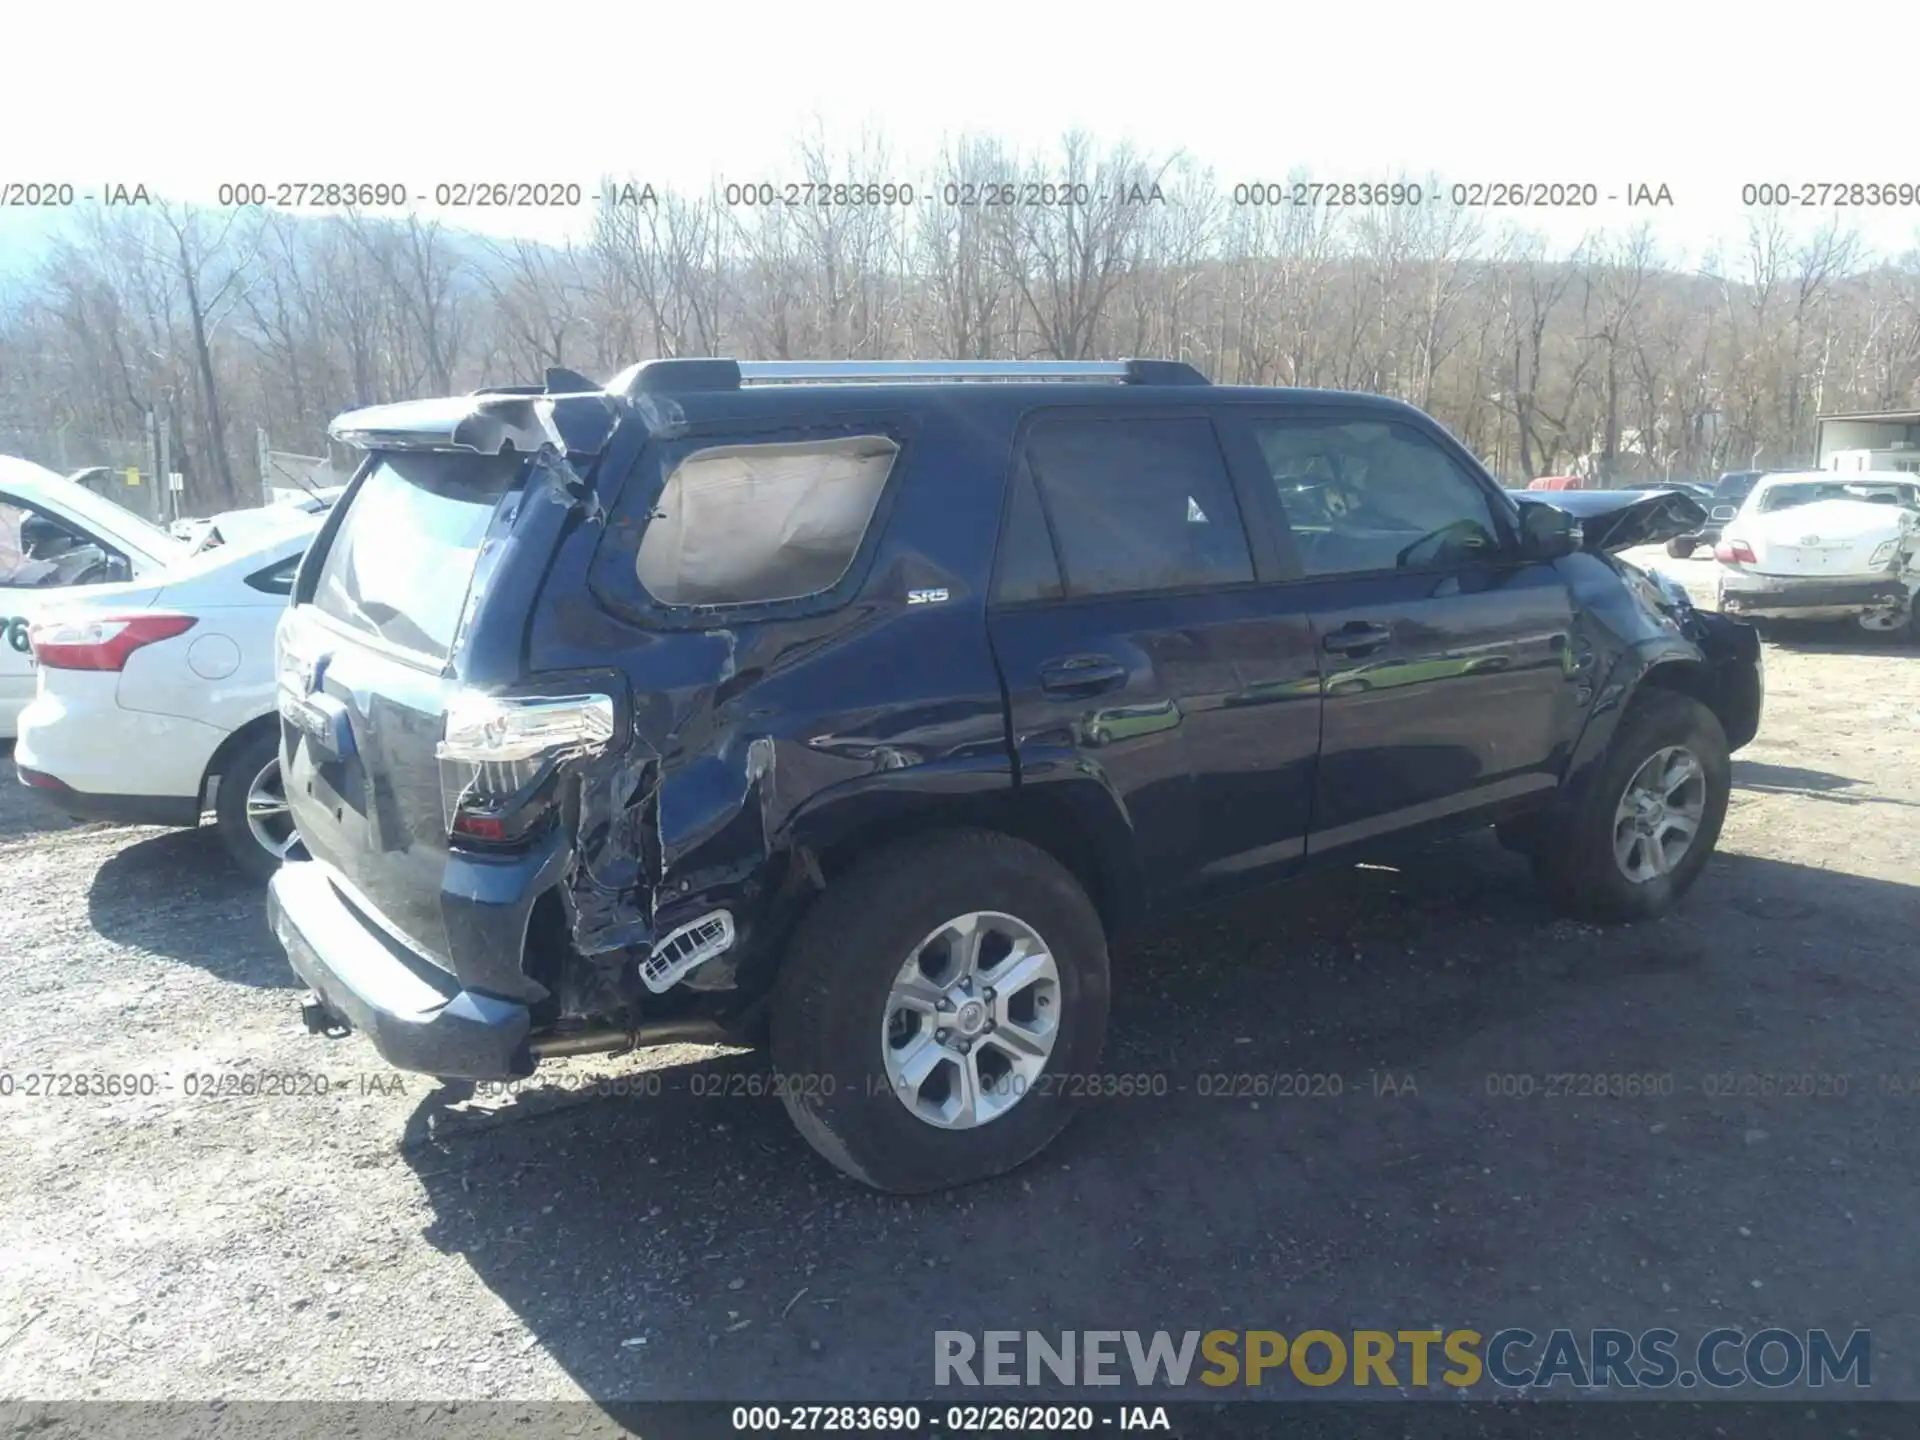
{"points": [[389, 1240]]}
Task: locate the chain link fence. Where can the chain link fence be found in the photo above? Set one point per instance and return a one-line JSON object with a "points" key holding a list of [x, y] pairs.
{"points": [[120, 470]]}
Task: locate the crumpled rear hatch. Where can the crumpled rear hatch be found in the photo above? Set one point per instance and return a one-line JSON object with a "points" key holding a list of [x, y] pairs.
{"points": [[375, 651], [368, 659]]}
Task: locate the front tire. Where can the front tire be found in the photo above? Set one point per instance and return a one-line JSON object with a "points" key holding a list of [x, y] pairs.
{"points": [[898, 1058], [1666, 777], [1680, 549], [250, 810]]}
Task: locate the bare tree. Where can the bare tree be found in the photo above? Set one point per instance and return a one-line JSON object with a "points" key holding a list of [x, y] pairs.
{"points": [[1613, 355]]}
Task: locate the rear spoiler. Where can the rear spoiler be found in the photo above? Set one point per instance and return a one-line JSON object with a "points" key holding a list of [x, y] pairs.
{"points": [[569, 413]]}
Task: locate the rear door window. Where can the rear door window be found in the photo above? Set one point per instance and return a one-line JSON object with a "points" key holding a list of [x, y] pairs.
{"points": [[747, 524], [403, 559], [1027, 568], [1135, 505]]}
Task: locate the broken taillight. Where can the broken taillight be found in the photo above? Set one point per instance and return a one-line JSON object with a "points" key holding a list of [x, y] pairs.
{"points": [[1734, 552], [497, 750], [489, 828]]}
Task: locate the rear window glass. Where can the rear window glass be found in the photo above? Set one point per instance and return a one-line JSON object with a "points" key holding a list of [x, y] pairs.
{"points": [[746, 524], [1788, 497], [403, 559]]}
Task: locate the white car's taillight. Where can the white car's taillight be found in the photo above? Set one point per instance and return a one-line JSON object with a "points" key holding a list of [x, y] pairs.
{"points": [[495, 748], [1734, 552], [102, 643]]}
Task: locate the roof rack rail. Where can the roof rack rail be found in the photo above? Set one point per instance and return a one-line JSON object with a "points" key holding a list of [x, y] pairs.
{"points": [[657, 376]]}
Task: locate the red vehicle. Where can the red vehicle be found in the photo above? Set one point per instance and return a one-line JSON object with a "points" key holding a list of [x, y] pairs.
{"points": [[1556, 482]]}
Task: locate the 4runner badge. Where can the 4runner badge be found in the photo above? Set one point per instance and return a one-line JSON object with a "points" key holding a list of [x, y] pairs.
{"points": [[926, 597]]}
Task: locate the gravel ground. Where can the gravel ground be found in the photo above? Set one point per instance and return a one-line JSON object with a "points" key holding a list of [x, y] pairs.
{"points": [[391, 1239]]}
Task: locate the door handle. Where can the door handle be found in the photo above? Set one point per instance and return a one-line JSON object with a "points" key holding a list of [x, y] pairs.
{"points": [[1356, 638], [1078, 676]]}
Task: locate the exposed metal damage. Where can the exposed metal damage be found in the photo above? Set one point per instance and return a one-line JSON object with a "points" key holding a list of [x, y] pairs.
{"points": [[663, 857]]}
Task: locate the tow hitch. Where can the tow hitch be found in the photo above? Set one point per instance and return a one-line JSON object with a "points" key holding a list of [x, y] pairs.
{"points": [[321, 1021]]}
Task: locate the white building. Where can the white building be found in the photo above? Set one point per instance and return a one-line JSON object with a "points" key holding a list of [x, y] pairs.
{"points": [[1888, 440]]}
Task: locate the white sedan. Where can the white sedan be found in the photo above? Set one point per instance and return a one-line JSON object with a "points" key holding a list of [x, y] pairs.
{"points": [[57, 539], [1822, 545], [156, 699]]}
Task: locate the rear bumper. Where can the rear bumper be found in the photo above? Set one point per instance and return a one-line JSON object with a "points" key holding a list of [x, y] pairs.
{"points": [[76, 732], [417, 1015], [1816, 597], [182, 813]]}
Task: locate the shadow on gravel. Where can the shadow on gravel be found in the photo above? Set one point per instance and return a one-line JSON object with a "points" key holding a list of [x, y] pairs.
{"points": [[1812, 784], [176, 894], [665, 1244], [1809, 637]]}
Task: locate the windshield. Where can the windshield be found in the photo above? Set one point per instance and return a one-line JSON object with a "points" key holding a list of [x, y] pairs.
{"points": [[1787, 497]]}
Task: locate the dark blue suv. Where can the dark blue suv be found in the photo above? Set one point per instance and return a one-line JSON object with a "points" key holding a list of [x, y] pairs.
{"points": [[853, 706]]}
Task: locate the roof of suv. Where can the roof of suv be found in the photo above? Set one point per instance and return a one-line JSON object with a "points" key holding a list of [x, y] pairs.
{"points": [[573, 414]]}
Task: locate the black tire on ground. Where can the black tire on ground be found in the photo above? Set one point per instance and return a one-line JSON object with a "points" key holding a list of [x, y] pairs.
{"points": [[829, 1018], [1680, 548], [230, 804], [1575, 862]]}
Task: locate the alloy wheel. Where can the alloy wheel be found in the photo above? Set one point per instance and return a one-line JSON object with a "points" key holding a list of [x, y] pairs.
{"points": [[1659, 814], [971, 1020], [269, 818]]}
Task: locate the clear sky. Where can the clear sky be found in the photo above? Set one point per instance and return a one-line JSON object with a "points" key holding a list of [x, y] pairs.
{"points": [[1699, 98]]}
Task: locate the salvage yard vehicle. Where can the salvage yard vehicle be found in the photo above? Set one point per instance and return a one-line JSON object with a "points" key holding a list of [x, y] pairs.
{"points": [[256, 521], [854, 706], [1824, 546], [1728, 493], [57, 536], [157, 698]]}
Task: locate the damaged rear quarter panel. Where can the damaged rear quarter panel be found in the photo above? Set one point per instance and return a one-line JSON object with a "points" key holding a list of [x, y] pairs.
{"points": [[759, 733]]}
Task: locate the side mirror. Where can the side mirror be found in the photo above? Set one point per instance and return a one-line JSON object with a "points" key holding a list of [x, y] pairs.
{"points": [[1546, 531]]}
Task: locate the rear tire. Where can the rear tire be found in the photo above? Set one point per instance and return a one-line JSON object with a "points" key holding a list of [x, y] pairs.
{"points": [[252, 773], [842, 1034], [1681, 549], [1578, 862]]}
